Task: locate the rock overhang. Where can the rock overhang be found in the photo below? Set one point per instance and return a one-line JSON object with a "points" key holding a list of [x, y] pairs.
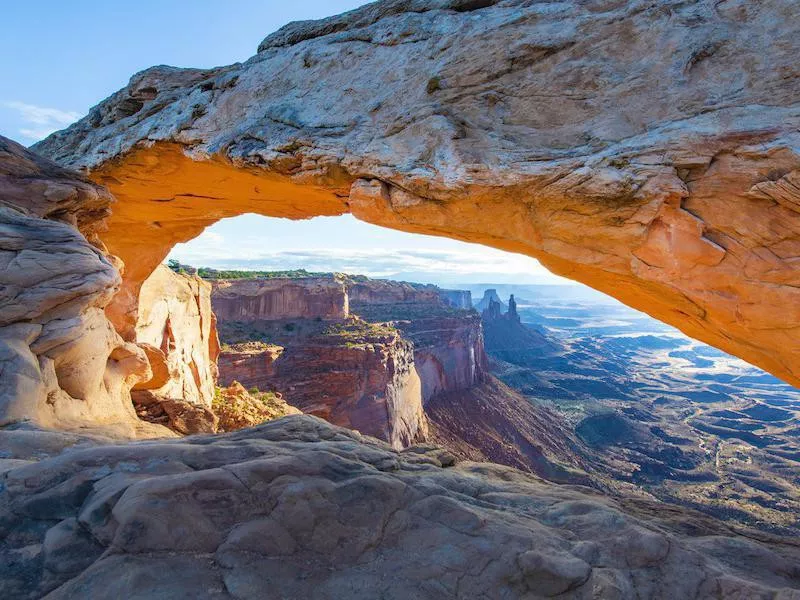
{"points": [[646, 150]]}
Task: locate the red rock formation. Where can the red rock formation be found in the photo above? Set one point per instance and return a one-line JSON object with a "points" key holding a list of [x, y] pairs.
{"points": [[281, 298], [377, 291], [491, 422], [647, 150], [448, 344], [253, 364], [448, 352], [364, 381]]}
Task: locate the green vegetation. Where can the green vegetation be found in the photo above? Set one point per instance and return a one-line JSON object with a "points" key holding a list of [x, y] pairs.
{"points": [[237, 408], [209, 273], [356, 330]]}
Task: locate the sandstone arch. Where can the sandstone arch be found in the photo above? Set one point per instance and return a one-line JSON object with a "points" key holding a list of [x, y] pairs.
{"points": [[649, 150]]}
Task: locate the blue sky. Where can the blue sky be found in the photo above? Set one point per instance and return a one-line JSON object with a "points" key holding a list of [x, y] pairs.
{"points": [[60, 58]]}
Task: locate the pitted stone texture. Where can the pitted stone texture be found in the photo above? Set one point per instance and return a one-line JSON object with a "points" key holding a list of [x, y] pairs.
{"points": [[298, 508]]}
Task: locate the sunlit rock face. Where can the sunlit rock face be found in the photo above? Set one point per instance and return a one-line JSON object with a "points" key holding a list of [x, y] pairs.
{"points": [[177, 330], [448, 344], [61, 362], [306, 298], [366, 382], [457, 298], [448, 353], [376, 291], [649, 150]]}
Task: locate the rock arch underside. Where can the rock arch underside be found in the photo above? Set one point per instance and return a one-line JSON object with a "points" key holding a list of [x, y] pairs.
{"points": [[648, 149]]}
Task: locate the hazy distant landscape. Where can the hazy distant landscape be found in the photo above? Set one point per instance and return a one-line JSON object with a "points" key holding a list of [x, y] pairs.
{"points": [[680, 419]]}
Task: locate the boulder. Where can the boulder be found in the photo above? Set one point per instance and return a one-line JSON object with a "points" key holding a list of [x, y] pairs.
{"points": [[182, 417], [238, 409]]}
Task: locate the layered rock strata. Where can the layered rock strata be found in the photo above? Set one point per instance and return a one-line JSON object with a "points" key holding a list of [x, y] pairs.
{"points": [[267, 299], [457, 298], [379, 291], [328, 372], [304, 509], [448, 344], [649, 150], [448, 352], [355, 376], [62, 364]]}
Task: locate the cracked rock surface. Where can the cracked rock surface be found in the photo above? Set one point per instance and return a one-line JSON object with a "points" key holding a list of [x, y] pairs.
{"points": [[297, 508]]}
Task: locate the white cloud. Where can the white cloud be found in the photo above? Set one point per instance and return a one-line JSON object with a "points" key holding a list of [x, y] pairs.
{"points": [[43, 120], [344, 244], [444, 265]]}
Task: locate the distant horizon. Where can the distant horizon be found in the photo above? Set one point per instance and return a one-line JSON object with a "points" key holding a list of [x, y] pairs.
{"points": [[345, 244]]}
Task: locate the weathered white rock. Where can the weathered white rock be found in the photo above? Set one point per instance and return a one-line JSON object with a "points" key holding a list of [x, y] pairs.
{"points": [[63, 364], [297, 508], [180, 336]]}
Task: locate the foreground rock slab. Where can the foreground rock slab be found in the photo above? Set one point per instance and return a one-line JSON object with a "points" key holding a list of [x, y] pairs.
{"points": [[297, 508]]}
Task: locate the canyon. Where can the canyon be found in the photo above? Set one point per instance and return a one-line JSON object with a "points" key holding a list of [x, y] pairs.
{"points": [[372, 366], [648, 150]]}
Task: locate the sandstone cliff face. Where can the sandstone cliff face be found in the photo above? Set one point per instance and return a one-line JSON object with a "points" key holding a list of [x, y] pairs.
{"points": [[377, 291], [251, 364], [448, 353], [457, 298], [448, 344], [368, 384], [178, 332], [62, 364], [303, 509], [649, 150], [270, 299]]}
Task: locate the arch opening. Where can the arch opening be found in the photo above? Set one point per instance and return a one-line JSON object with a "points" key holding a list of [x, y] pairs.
{"points": [[574, 384], [647, 249]]}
